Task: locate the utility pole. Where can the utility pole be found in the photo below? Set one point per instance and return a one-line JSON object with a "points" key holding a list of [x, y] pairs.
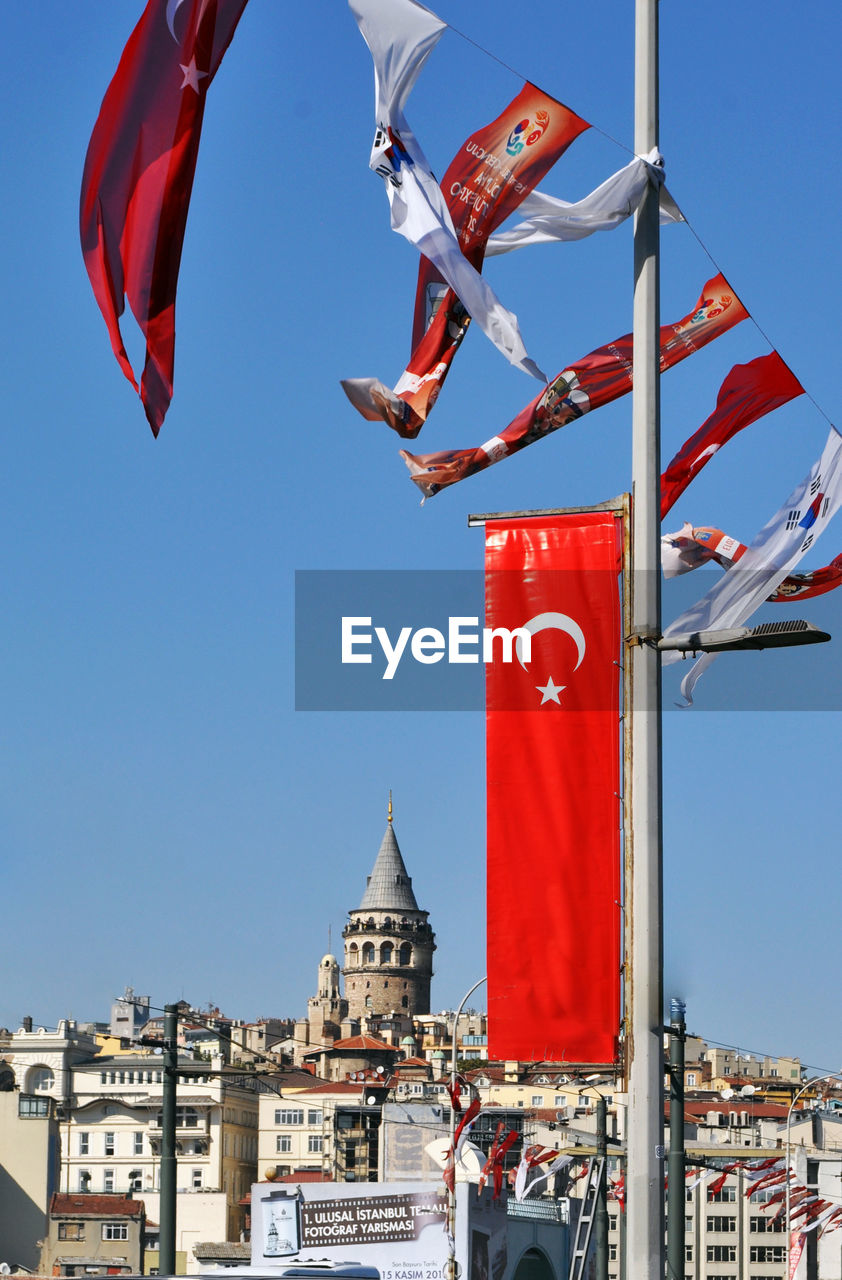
{"points": [[675, 1163], [166, 1255], [601, 1216], [644, 902]]}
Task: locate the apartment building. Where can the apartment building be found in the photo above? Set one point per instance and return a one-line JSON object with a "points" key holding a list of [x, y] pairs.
{"points": [[109, 1109]]}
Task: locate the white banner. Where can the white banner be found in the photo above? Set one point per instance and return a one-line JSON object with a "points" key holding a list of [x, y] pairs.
{"points": [[775, 551], [401, 35], [549, 219]]}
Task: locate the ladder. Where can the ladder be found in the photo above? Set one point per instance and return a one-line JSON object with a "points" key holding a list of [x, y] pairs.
{"points": [[584, 1226]]}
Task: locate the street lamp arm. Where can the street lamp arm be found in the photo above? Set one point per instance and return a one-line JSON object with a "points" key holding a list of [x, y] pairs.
{"points": [[451, 1190]]}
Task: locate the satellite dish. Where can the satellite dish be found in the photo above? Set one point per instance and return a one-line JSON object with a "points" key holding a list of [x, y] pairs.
{"points": [[747, 1090], [381, 1071], [5, 1269], [726, 1094]]}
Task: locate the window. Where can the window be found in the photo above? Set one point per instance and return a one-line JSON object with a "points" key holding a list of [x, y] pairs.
{"points": [[537, 1099], [84, 1144], [688, 1253], [283, 1142], [761, 1223], [185, 1118], [314, 1143], [559, 1100], [721, 1222], [103, 1077], [115, 1230], [32, 1108], [688, 1196], [767, 1253], [289, 1115], [138, 1142], [722, 1253], [368, 953], [108, 1138], [612, 1253], [84, 1179], [314, 1117], [108, 1180], [386, 950], [405, 954], [71, 1231], [688, 1223], [196, 1180], [691, 1079], [40, 1080], [725, 1195]]}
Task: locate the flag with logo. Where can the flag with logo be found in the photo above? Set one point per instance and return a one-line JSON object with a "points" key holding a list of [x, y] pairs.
{"points": [[138, 177], [778, 547], [491, 173], [691, 547], [553, 813], [749, 392], [595, 380]]}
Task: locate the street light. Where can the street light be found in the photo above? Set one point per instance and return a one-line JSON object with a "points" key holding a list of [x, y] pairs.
{"points": [[831, 1075], [767, 635], [451, 1190]]}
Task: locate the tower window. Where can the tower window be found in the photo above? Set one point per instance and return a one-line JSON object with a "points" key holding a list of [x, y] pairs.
{"points": [[405, 954], [386, 953], [368, 953]]}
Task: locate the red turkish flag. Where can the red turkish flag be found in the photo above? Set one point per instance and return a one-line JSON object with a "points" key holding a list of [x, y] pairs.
{"points": [[139, 175], [553, 778], [749, 391]]}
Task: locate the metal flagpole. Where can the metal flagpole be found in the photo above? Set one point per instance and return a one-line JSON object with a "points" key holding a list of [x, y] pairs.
{"points": [[644, 1002]]}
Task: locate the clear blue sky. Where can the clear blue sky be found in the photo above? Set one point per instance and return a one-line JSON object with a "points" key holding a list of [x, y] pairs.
{"points": [[167, 819]]}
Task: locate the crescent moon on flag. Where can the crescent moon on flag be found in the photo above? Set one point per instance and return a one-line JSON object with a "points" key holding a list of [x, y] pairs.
{"points": [[558, 622], [172, 9]]}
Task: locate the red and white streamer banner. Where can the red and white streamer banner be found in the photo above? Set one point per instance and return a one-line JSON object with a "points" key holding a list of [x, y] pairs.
{"points": [[749, 392], [553, 760], [595, 380], [491, 173], [693, 546]]}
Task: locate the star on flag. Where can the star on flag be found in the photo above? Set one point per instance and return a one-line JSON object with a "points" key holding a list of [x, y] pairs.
{"points": [[192, 75], [550, 691]]}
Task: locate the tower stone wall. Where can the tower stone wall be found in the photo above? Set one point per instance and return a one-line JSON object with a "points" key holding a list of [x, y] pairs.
{"points": [[389, 943]]}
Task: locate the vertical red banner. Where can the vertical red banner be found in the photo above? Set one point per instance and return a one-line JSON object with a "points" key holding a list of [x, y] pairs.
{"points": [[553, 747]]}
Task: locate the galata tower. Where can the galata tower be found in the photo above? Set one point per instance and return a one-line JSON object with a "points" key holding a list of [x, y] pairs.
{"points": [[388, 943]]}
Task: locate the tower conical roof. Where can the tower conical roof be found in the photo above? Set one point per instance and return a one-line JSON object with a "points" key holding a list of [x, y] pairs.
{"points": [[389, 888]]}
